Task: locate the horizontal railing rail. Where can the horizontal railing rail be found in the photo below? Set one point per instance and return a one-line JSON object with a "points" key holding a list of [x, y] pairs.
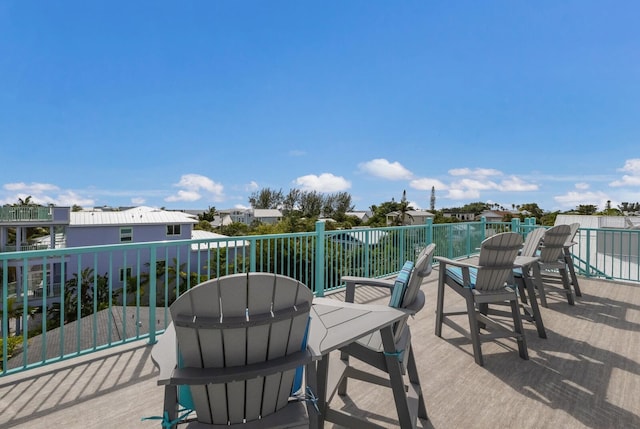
{"points": [[61, 303]]}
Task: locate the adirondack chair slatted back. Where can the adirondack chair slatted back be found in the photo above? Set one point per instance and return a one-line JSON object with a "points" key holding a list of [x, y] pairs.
{"points": [[532, 242], [421, 269], [553, 243], [574, 227], [495, 264], [245, 319]]}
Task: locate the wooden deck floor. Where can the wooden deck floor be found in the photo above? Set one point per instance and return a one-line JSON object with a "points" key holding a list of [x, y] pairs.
{"points": [[585, 375]]}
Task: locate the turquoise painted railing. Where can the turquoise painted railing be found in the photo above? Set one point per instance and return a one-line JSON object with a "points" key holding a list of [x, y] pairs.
{"points": [[74, 301], [25, 213]]}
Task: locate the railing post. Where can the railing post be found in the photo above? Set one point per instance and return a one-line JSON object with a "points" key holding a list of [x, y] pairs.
{"points": [[253, 244], [515, 225], [483, 224], [429, 232], [320, 268], [152, 295], [588, 259]]}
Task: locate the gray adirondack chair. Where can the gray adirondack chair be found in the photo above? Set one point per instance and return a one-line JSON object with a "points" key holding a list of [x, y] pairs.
{"points": [[530, 248], [524, 280], [404, 293], [551, 269], [482, 284], [240, 342]]}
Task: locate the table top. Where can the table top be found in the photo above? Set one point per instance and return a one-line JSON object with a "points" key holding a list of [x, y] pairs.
{"points": [[524, 261], [335, 324]]}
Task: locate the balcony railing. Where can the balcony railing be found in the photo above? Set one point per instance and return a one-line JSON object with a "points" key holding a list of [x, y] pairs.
{"points": [[25, 213], [24, 247], [74, 301]]}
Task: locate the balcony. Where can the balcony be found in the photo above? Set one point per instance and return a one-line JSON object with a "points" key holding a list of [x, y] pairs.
{"points": [[97, 372], [586, 374]]}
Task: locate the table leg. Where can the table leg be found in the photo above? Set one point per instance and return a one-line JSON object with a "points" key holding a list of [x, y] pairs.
{"points": [[320, 378], [396, 378]]}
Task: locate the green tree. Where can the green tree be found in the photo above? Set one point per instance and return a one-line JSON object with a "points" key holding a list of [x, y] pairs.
{"points": [[587, 209], [266, 198], [549, 219], [85, 291], [291, 202], [234, 229], [403, 211], [379, 213], [311, 204], [14, 311], [209, 215], [533, 210]]}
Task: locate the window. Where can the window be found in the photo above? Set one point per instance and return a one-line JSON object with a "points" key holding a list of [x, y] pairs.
{"points": [[173, 229], [125, 273], [126, 234]]}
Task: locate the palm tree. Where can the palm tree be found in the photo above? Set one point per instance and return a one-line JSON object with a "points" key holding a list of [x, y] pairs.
{"points": [[403, 210], [15, 312]]}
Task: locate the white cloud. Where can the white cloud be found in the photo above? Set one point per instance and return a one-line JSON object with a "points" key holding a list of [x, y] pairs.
{"points": [[32, 188], [472, 181], [572, 199], [463, 194], [474, 184], [297, 152], [44, 194], [183, 195], [385, 169], [426, 183], [69, 198], [631, 166], [626, 181], [482, 172], [252, 186], [582, 186], [326, 182], [514, 183], [138, 201], [194, 186]]}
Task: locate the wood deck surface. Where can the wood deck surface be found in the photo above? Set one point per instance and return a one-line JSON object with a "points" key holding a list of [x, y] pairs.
{"points": [[586, 374]]}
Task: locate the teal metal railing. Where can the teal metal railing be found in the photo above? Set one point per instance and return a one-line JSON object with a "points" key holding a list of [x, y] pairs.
{"points": [[25, 213], [62, 303]]}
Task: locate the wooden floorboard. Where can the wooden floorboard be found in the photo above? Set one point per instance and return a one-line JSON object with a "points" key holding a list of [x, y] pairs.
{"points": [[586, 374]]}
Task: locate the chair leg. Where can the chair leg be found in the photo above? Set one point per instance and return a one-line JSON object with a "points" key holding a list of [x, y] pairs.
{"points": [[535, 309], [414, 378], [567, 285], [171, 403], [572, 272], [520, 283], [518, 329], [474, 330], [483, 309], [440, 301], [537, 277]]}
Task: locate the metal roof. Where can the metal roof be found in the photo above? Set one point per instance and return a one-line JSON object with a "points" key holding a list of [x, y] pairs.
{"points": [[136, 216], [198, 234]]}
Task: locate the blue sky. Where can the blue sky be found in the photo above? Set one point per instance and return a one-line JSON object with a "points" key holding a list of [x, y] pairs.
{"points": [[200, 103]]}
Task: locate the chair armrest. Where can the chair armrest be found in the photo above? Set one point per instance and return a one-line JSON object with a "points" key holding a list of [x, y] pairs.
{"points": [[448, 261], [201, 376], [163, 354], [352, 281]]}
